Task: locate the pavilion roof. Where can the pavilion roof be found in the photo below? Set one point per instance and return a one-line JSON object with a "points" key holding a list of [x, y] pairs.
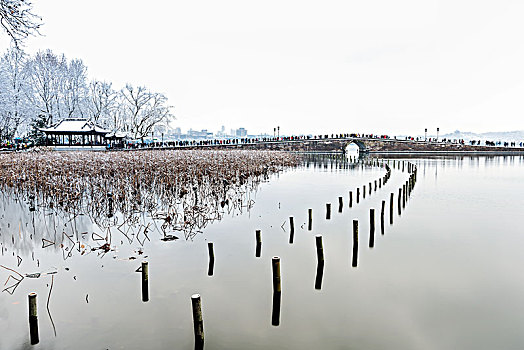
{"points": [[75, 126]]}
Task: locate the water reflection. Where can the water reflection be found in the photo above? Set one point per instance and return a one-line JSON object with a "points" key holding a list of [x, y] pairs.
{"points": [[319, 274], [179, 269], [211, 266], [275, 311]]}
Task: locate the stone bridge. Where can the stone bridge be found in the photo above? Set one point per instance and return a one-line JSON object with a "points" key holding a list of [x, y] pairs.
{"points": [[340, 144]]}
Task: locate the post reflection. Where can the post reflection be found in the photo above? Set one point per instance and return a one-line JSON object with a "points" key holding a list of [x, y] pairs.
{"points": [[275, 314], [319, 275], [211, 267]]}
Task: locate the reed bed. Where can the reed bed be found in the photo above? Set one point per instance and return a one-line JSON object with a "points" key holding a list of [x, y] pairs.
{"points": [[182, 189]]}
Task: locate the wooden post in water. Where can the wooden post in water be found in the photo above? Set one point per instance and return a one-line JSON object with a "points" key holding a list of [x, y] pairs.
{"points": [[211, 250], [145, 281], [340, 204], [358, 193], [363, 191], [320, 248], [276, 274], [310, 219], [355, 243], [291, 230], [198, 321], [380, 183], [328, 211], [403, 196], [33, 319], [350, 199], [371, 228], [258, 248], [211, 266], [375, 185], [370, 188]]}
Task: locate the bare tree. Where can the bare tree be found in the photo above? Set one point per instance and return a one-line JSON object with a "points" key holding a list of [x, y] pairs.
{"points": [[144, 110], [18, 20], [43, 72], [14, 109], [73, 88], [102, 103]]}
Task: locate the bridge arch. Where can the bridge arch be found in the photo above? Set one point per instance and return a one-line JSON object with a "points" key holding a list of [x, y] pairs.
{"points": [[361, 145]]}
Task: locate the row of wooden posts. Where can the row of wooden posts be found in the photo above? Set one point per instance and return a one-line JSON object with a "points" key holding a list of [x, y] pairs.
{"points": [[196, 302]]}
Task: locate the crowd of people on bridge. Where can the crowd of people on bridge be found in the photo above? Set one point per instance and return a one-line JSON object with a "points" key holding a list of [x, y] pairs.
{"points": [[255, 140], [19, 144]]}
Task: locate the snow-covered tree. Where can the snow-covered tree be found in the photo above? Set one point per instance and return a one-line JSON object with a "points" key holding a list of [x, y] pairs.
{"points": [[14, 109], [102, 104], [143, 110], [73, 89], [59, 87], [43, 89], [18, 20], [44, 76]]}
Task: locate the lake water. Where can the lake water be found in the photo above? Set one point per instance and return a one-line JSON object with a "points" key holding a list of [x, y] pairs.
{"points": [[444, 275]]}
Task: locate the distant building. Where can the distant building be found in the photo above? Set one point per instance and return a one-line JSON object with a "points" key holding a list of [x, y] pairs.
{"points": [[203, 134], [241, 132], [222, 132]]}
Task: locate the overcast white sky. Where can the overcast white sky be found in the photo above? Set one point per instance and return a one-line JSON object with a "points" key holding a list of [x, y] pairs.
{"points": [[374, 66]]}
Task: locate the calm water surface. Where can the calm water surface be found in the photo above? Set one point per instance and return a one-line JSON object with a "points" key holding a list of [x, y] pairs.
{"points": [[445, 275]]}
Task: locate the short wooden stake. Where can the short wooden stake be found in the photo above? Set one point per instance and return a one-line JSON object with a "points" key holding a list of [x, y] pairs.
{"points": [[210, 250], [291, 224], [350, 199], [145, 281], [355, 243], [310, 219], [276, 275], [33, 319], [358, 194], [320, 248], [198, 321], [328, 211], [340, 204], [363, 191]]}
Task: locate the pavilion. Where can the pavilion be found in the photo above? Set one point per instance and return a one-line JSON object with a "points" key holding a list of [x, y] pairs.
{"points": [[78, 132]]}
